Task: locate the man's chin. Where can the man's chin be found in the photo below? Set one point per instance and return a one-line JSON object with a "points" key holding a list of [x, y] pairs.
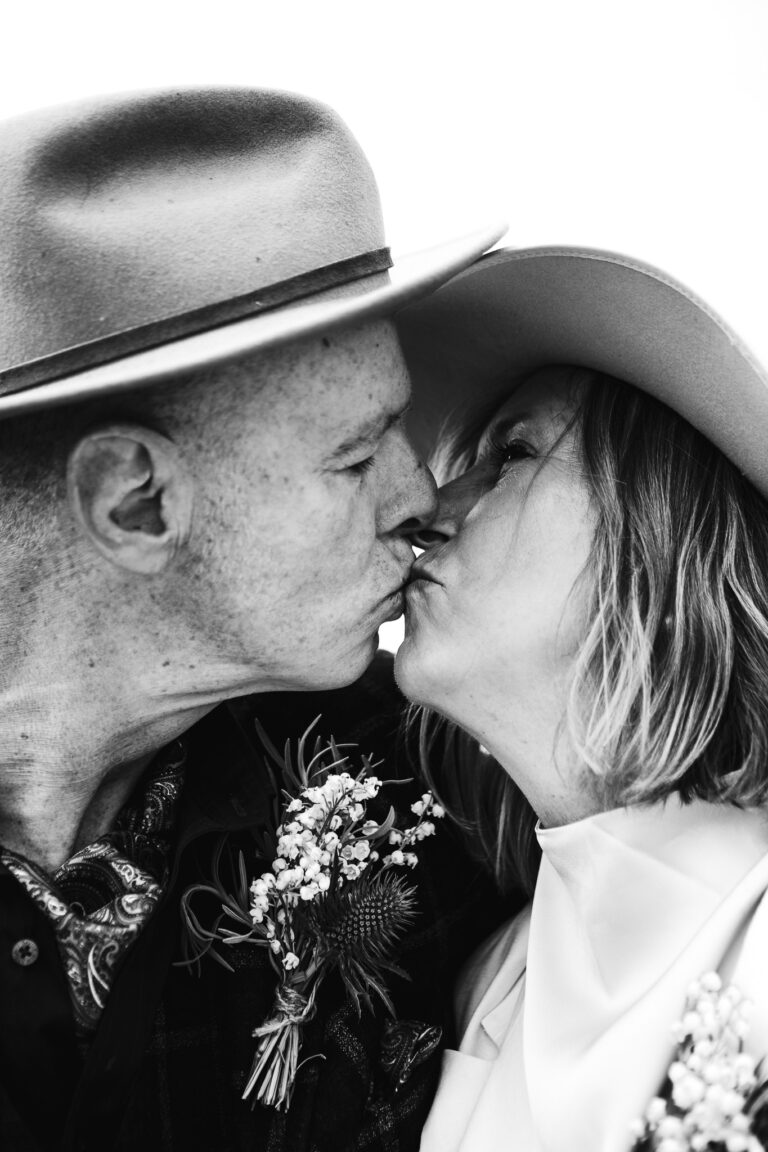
{"points": [[351, 665], [356, 664]]}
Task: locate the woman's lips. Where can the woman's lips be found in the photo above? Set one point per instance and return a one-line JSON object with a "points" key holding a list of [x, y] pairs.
{"points": [[421, 575], [419, 586]]}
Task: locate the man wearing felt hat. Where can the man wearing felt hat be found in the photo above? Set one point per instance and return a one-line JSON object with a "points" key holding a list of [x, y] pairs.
{"points": [[205, 494]]}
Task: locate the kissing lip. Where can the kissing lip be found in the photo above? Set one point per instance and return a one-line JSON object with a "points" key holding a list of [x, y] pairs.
{"points": [[420, 573], [397, 595], [401, 587], [397, 599]]}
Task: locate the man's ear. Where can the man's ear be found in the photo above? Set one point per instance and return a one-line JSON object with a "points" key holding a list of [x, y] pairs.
{"points": [[131, 494]]}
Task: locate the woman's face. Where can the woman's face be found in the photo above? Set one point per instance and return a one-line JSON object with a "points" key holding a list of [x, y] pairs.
{"points": [[494, 624]]}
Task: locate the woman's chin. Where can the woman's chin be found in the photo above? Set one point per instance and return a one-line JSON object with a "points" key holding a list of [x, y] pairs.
{"points": [[413, 674]]}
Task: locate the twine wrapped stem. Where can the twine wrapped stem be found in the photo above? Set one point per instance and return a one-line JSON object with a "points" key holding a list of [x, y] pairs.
{"points": [[277, 1055]]}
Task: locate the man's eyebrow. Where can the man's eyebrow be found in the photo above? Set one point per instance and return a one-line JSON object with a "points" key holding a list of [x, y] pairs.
{"points": [[369, 432]]}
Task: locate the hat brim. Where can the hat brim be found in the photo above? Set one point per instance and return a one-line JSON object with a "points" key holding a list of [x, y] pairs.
{"points": [[514, 311], [365, 300]]}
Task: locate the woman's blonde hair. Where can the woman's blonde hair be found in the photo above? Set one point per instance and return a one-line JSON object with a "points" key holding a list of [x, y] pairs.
{"points": [[669, 691]]}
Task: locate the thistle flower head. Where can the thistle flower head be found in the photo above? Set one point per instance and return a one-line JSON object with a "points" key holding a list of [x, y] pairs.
{"points": [[368, 916], [358, 926]]}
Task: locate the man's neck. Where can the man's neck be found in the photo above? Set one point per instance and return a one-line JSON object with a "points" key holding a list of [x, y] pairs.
{"points": [[65, 774], [85, 706], [51, 822]]}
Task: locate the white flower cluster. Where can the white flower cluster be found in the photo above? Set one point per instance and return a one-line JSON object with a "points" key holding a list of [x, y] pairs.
{"points": [[403, 841], [711, 1077], [326, 842]]}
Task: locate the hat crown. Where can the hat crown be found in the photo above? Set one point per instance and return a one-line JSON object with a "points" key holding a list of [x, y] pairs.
{"points": [[121, 212]]}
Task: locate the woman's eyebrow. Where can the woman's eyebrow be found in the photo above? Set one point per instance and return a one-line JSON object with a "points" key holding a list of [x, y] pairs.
{"points": [[504, 424], [369, 432]]}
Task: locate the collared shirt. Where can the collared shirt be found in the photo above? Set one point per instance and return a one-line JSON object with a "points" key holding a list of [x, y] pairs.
{"points": [[575, 1002], [52, 1088]]}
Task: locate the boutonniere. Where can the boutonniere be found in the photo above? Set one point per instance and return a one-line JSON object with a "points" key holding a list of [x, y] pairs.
{"points": [[333, 899], [713, 1099]]}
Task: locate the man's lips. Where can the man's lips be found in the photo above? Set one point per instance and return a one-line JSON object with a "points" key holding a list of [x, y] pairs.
{"points": [[397, 595], [396, 603], [399, 590]]}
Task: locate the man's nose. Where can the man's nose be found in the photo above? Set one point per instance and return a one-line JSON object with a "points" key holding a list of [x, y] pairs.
{"points": [[423, 503], [454, 501]]}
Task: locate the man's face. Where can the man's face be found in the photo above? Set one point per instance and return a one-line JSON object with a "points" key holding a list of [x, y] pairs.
{"points": [[301, 524]]}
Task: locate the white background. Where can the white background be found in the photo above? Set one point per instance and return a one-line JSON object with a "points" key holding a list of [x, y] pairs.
{"points": [[637, 126]]}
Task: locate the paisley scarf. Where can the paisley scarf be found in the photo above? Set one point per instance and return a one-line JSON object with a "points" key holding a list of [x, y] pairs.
{"points": [[99, 900]]}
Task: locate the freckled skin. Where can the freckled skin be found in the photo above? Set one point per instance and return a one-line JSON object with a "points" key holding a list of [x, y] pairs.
{"points": [[493, 646], [281, 563], [305, 553]]}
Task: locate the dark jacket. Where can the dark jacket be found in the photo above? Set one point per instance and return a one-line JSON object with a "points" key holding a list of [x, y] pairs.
{"points": [[167, 1065]]}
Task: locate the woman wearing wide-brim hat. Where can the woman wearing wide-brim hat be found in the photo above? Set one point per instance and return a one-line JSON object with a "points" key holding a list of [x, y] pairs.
{"points": [[591, 617]]}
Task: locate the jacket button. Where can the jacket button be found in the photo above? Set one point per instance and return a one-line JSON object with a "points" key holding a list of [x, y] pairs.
{"points": [[25, 952]]}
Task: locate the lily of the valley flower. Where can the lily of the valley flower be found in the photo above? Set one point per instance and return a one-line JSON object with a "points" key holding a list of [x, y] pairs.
{"points": [[710, 1079]]}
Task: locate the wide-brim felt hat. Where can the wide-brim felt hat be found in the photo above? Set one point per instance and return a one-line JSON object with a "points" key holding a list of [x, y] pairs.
{"points": [[148, 235], [514, 311]]}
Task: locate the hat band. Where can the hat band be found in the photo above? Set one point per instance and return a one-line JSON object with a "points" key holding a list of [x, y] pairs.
{"points": [[94, 353]]}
